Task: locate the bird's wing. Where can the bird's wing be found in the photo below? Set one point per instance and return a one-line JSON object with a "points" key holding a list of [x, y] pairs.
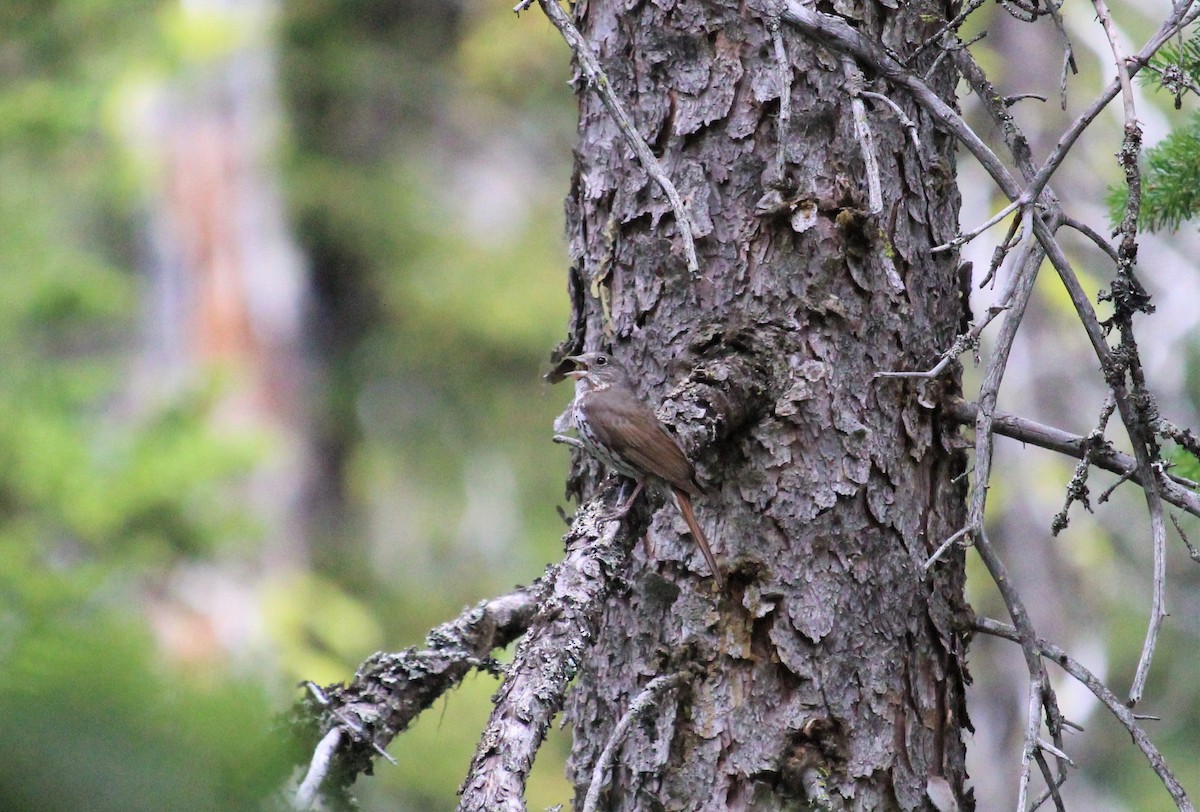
{"points": [[630, 428]]}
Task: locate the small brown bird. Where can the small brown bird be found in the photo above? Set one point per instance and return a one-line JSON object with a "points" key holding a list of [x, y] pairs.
{"points": [[619, 429]]}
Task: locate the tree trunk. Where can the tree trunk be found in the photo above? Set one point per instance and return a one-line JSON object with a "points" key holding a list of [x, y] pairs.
{"points": [[832, 658]]}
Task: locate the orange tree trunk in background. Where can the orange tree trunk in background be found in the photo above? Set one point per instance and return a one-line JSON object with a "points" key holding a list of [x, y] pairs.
{"points": [[831, 658]]}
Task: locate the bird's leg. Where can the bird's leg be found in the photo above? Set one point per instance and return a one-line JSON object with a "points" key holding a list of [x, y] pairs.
{"points": [[647, 547], [625, 507], [625, 504]]}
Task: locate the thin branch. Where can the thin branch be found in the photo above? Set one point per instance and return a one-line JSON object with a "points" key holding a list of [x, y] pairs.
{"points": [[951, 25], [1177, 78], [1054, 751], [306, 793], [1077, 489], [1123, 714], [1128, 298], [1000, 252], [1026, 264], [1158, 601], [967, 341], [901, 116], [1193, 553], [1041, 695], [1111, 489], [1052, 782], [1068, 53], [1114, 42], [1073, 445], [945, 545], [640, 705], [1182, 437], [862, 131], [1024, 274], [784, 71], [1009, 101], [967, 236], [596, 78], [1093, 235]]}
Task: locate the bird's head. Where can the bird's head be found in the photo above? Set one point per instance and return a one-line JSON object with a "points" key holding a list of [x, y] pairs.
{"points": [[597, 369]]}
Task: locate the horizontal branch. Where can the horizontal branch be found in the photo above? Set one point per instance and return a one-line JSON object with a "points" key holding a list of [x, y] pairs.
{"points": [[1074, 445]]}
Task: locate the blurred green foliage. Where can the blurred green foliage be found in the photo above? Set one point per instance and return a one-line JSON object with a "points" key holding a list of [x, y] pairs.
{"points": [[100, 497], [428, 156], [427, 162]]}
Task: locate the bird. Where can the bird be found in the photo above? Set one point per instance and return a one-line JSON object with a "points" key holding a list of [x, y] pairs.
{"points": [[621, 430]]}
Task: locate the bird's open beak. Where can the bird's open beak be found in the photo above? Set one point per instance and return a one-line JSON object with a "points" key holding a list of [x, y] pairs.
{"points": [[580, 367]]}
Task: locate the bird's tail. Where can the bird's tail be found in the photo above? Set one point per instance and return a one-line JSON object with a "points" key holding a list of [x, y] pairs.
{"points": [[685, 508]]}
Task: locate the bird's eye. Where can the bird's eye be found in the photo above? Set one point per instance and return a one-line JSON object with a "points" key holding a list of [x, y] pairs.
{"points": [[601, 360]]}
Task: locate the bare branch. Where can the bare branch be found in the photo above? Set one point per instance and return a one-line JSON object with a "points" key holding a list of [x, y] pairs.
{"points": [[1025, 267], [640, 705], [951, 25], [862, 130], [306, 794], [1041, 695], [1077, 490], [1123, 714], [1068, 53], [1026, 264], [944, 546], [967, 236], [1073, 445], [1114, 42], [784, 70], [1129, 297], [1091, 234], [1158, 602], [390, 690], [964, 342], [1193, 553], [592, 72], [1000, 252], [901, 116]]}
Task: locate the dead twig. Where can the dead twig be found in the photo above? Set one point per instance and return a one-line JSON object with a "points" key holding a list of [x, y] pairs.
{"points": [[1122, 713], [589, 66], [641, 704]]}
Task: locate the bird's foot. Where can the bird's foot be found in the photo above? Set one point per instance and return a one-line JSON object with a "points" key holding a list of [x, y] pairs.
{"points": [[621, 510], [571, 441]]}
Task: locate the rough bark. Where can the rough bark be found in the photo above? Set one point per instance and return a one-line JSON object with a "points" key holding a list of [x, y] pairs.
{"points": [[831, 654]]}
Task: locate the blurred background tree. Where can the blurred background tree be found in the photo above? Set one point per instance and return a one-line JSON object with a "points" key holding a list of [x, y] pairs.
{"points": [[279, 281]]}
